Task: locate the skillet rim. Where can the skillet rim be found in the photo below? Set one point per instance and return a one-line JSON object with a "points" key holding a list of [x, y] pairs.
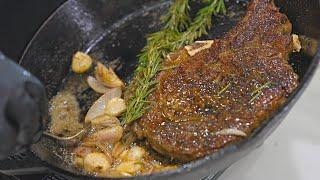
{"points": [[246, 145]]}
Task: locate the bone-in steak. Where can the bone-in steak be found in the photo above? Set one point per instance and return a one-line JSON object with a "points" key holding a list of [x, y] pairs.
{"points": [[228, 85]]}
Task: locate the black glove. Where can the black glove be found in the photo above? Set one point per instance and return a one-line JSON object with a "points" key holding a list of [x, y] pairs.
{"points": [[23, 107]]}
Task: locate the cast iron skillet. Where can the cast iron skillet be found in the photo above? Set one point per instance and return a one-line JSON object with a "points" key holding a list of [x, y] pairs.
{"points": [[109, 29]]}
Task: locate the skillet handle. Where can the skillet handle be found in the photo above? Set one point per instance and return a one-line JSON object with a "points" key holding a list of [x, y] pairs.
{"points": [[23, 163], [26, 165]]}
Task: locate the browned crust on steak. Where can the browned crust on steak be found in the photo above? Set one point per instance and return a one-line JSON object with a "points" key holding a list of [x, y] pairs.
{"points": [[190, 106]]}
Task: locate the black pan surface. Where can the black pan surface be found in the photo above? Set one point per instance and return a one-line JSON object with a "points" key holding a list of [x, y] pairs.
{"points": [[116, 29]]}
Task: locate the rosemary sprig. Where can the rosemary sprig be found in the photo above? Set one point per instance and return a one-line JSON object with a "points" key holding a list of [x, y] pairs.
{"points": [[202, 21], [151, 56], [177, 32], [257, 92], [177, 18]]}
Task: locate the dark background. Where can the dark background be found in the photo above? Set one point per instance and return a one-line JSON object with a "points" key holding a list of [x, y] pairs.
{"points": [[19, 21]]}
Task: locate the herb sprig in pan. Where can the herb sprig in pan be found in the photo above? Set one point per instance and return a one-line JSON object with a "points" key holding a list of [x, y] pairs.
{"points": [[178, 30]]}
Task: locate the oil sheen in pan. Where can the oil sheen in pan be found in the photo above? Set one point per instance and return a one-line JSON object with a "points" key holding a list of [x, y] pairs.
{"points": [[123, 41]]}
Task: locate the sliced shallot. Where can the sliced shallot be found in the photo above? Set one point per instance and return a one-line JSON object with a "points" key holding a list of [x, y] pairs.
{"points": [[98, 107], [96, 85]]}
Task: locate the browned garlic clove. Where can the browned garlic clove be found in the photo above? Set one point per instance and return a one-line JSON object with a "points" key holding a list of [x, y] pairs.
{"points": [[296, 43], [130, 167], [108, 135], [81, 62], [136, 153], [107, 76], [96, 162], [118, 149]]}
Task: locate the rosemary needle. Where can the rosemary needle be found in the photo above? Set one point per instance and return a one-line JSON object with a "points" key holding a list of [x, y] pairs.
{"points": [[255, 96], [256, 93], [224, 89], [261, 87]]}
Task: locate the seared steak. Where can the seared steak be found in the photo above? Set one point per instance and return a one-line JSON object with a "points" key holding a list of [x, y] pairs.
{"points": [[219, 91]]}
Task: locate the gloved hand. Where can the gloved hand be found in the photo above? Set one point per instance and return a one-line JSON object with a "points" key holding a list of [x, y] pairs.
{"points": [[23, 107]]}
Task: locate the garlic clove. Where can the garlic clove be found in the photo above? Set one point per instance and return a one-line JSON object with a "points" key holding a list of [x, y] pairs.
{"points": [[105, 121], [130, 167], [96, 162], [81, 62], [107, 76], [136, 153], [96, 85], [231, 131], [108, 135], [115, 107], [98, 107]]}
